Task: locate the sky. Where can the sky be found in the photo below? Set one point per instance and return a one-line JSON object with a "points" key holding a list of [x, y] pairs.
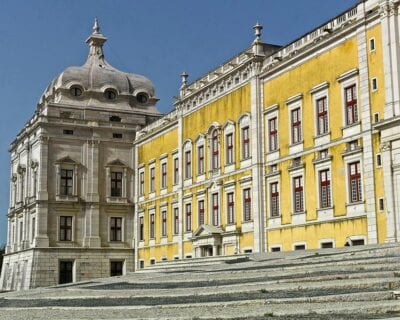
{"points": [[156, 38]]}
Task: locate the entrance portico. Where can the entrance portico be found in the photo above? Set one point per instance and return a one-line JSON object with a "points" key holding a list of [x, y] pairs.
{"points": [[207, 241]]}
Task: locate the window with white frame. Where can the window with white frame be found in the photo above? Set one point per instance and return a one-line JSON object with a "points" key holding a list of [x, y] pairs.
{"points": [[188, 214], [163, 175], [230, 207], [296, 130], [215, 209], [152, 177], [141, 183], [229, 148], [152, 226], [176, 171], [141, 228], [200, 209], [324, 188], [355, 185], [65, 231], [351, 106], [115, 229], [214, 149], [274, 199], [176, 221], [164, 223], [200, 160], [273, 134], [298, 195], [188, 164], [245, 143], [66, 182], [116, 183], [247, 204], [322, 115]]}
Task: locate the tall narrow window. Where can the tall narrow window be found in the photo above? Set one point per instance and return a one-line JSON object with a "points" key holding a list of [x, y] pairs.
{"points": [[33, 228], [296, 125], [273, 134], [230, 206], [200, 207], [245, 143], [141, 183], [214, 150], [116, 184], [324, 189], [115, 229], [188, 164], [246, 205], [298, 194], [21, 231], [152, 226], [164, 223], [229, 148], [141, 228], [65, 228], [152, 179], [66, 182], [215, 209], [355, 182], [274, 190], [164, 175], [351, 105], [188, 217], [176, 170], [322, 114], [176, 220], [200, 160]]}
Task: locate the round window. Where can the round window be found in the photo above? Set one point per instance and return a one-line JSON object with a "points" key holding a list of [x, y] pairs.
{"points": [[76, 91], [110, 94], [142, 97]]}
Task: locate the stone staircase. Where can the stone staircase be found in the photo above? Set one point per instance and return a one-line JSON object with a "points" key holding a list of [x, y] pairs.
{"points": [[349, 283]]}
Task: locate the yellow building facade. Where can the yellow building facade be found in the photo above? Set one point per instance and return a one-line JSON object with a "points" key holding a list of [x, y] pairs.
{"points": [[280, 148]]}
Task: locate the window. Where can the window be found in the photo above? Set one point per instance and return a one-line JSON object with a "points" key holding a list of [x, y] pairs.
{"points": [[68, 132], [152, 226], [66, 182], [215, 209], [200, 206], [65, 228], [200, 160], [229, 148], [115, 229], [176, 170], [246, 204], [273, 134], [65, 269], [322, 115], [115, 119], [164, 175], [116, 184], [33, 228], [355, 186], [230, 203], [75, 91], [152, 179], [372, 44], [141, 183], [351, 105], [376, 117], [374, 84], [326, 245], [188, 217], [296, 125], [324, 188], [352, 145], [188, 164], [21, 231], [381, 204], [110, 94], [300, 247], [116, 268], [274, 190], [176, 220], [214, 150], [245, 143], [323, 154], [141, 229], [378, 160], [117, 135], [164, 223], [142, 97], [298, 194], [275, 249]]}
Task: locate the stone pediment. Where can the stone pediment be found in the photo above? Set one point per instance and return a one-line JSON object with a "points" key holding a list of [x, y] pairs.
{"points": [[116, 163], [207, 230], [67, 159]]}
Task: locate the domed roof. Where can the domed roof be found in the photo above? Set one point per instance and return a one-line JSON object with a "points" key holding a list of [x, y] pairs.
{"points": [[96, 77]]}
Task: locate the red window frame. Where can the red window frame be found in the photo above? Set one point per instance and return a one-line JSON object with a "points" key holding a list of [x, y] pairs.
{"points": [[176, 170], [152, 226], [152, 179], [355, 186], [245, 143], [188, 211], [164, 175], [200, 207], [246, 205], [230, 207], [163, 223], [200, 157], [273, 134], [229, 148], [176, 220], [298, 195], [296, 125], [274, 198], [188, 164], [322, 116], [215, 150], [351, 104], [215, 207], [324, 188]]}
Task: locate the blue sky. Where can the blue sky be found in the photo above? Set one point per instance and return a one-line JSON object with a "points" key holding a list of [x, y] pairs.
{"points": [[158, 39]]}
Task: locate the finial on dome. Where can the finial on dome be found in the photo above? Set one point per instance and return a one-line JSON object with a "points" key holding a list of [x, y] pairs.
{"points": [[96, 27], [257, 32]]}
